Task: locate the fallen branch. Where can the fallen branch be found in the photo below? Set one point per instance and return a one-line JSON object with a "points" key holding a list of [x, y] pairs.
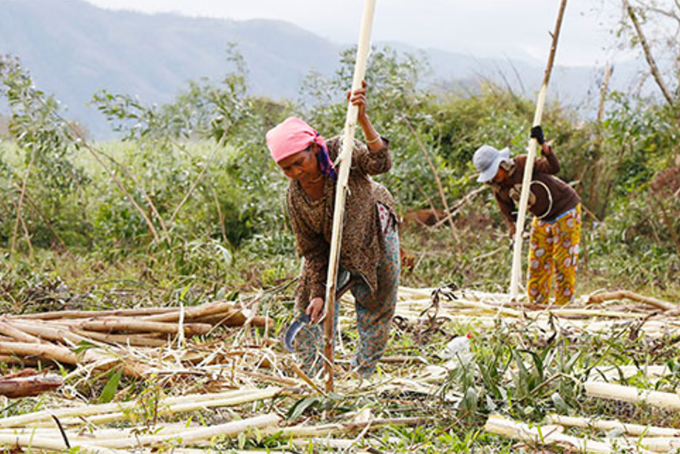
{"points": [[28, 383]]}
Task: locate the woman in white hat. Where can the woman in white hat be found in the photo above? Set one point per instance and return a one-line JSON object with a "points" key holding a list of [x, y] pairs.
{"points": [[556, 228]]}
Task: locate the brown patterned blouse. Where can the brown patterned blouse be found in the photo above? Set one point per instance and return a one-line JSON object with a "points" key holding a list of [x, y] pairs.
{"points": [[312, 221]]}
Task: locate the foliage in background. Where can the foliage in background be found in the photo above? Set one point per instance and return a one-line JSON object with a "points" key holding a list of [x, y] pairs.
{"points": [[200, 170]]}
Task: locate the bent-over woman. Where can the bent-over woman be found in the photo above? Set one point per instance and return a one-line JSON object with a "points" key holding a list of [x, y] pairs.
{"points": [[556, 227], [370, 241]]}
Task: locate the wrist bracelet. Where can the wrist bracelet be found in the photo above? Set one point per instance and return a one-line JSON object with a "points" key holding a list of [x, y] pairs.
{"points": [[370, 142]]}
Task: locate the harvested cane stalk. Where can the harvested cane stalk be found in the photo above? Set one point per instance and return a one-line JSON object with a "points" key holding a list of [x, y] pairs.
{"points": [[89, 314], [549, 436], [350, 427], [7, 329], [64, 355], [345, 158], [624, 294], [528, 170], [111, 325], [667, 401], [137, 340], [601, 424], [195, 435], [28, 383], [120, 411]]}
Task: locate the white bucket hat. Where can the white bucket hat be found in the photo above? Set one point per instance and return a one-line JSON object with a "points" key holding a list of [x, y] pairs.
{"points": [[486, 161]]}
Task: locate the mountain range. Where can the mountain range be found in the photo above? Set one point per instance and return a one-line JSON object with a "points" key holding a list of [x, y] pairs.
{"points": [[73, 49]]}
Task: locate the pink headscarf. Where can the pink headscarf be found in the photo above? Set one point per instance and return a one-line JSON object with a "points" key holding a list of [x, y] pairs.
{"points": [[290, 137], [294, 135]]}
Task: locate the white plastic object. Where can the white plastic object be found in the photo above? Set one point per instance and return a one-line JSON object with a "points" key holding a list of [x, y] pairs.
{"points": [[458, 347]]}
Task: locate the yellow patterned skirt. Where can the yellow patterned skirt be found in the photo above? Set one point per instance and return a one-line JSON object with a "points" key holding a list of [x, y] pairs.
{"points": [[554, 251]]}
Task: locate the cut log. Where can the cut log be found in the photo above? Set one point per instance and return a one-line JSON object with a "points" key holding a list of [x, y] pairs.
{"points": [[28, 383]]}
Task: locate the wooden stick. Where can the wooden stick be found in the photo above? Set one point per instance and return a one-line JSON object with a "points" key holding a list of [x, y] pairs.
{"points": [[667, 401], [90, 314], [48, 443], [15, 333], [625, 294], [549, 436], [120, 410], [442, 194], [136, 340], [29, 385], [602, 424], [117, 324], [529, 166], [323, 430], [189, 437], [190, 313], [236, 318], [345, 159]]}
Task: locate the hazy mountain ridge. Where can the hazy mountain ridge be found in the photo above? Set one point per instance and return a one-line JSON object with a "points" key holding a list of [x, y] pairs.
{"points": [[73, 49]]}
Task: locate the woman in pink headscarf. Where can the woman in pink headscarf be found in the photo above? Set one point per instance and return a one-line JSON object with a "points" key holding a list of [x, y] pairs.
{"points": [[370, 243]]}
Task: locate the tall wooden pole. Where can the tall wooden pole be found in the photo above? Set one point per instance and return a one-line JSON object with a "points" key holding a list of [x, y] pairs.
{"points": [[345, 160], [531, 154]]}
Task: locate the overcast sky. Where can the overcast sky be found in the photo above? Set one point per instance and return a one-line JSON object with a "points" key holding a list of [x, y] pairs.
{"points": [[514, 28]]}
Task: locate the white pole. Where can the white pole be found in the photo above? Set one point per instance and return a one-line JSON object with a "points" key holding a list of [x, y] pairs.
{"points": [[529, 167], [345, 160]]}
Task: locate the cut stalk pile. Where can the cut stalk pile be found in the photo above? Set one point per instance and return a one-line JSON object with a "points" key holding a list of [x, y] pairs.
{"points": [[110, 339]]}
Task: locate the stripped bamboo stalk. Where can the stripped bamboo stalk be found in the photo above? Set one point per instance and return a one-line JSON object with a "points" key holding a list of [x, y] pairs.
{"points": [[110, 325], [625, 294], [190, 313], [269, 378], [99, 359], [194, 435], [602, 424], [53, 444], [136, 340], [549, 436], [47, 351], [631, 394], [199, 401], [346, 428], [17, 334], [90, 314], [328, 443], [48, 331], [345, 159], [237, 318], [174, 409], [529, 166]]}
